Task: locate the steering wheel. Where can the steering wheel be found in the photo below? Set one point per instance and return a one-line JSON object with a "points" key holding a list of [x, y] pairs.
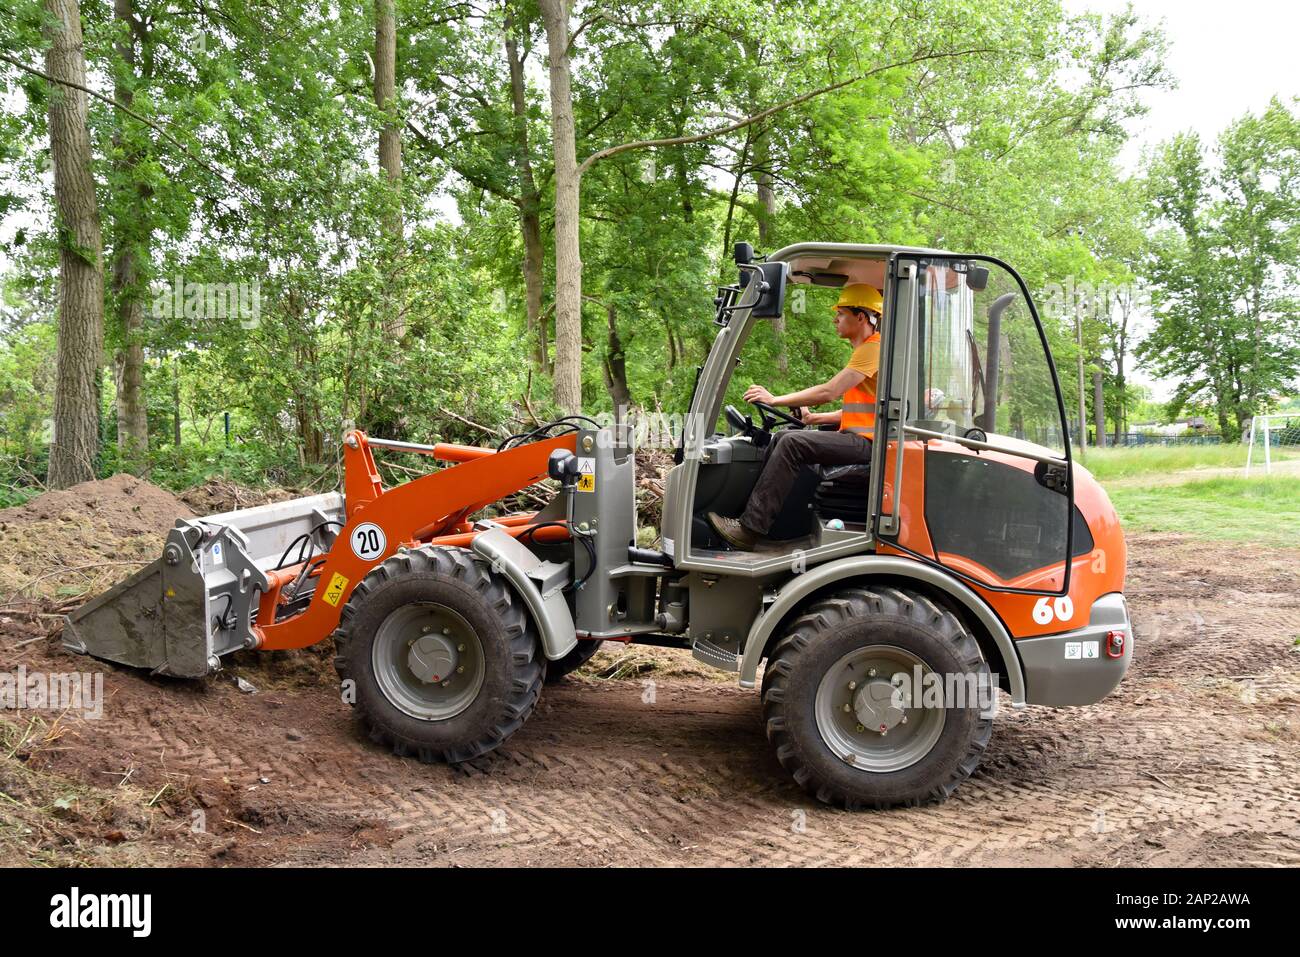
{"points": [[771, 416]]}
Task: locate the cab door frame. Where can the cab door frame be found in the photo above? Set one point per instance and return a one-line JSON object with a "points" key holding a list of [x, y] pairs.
{"points": [[898, 373]]}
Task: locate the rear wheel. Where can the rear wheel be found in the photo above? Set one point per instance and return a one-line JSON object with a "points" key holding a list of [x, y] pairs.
{"points": [[436, 657], [581, 653], [877, 697]]}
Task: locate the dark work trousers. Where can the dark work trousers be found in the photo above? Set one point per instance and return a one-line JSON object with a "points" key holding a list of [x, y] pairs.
{"points": [[788, 450]]}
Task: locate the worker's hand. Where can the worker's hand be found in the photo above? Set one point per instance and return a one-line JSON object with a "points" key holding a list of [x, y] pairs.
{"points": [[811, 418], [756, 393]]}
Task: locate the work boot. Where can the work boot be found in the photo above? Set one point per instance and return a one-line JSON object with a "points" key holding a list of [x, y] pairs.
{"points": [[734, 533]]}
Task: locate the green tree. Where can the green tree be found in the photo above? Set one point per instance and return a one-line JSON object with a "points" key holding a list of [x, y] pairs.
{"points": [[1224, 268]]}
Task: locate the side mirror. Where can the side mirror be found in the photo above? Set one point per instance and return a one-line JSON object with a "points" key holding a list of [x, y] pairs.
{"points": [[977, 278], [744, 254], [771, 300]]}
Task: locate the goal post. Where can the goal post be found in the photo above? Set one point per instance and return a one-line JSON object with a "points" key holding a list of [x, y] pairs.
{"points": [[1276, 435]]}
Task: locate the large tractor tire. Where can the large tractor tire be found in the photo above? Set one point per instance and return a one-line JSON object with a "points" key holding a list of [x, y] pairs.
{"points": [[850, 731], [436, 657], [581, 653]]}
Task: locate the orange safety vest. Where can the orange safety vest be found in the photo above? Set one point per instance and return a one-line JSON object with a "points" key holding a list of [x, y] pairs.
{"points": [[858, 413]]}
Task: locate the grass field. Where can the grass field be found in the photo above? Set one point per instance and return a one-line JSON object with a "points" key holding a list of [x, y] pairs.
{"points": [[1261, 510], [1123, 463]]}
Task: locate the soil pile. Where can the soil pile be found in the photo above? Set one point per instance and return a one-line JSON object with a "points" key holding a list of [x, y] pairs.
{"points": [[218, 495], [77, 541]]}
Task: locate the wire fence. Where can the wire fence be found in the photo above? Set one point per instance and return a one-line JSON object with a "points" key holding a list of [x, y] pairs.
{"points": [[1130, 439]]}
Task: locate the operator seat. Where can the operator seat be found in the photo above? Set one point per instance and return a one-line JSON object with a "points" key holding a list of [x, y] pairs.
{"points": [[842, 492]]}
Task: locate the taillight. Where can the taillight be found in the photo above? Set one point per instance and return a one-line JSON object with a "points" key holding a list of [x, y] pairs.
{"points": [[1115, 644]]}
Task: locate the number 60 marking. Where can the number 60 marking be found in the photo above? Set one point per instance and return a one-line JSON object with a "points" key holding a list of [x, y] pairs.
{"points": [[1045, 609]]}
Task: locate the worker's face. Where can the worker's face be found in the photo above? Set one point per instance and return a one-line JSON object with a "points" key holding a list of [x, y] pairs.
{"points": [[849, 322]]}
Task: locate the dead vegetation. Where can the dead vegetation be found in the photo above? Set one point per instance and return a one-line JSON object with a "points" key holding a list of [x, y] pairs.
{"points": [[51, 820]]}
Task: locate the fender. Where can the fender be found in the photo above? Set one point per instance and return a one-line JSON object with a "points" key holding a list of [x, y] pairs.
{"points": [[537, 582], [867, 566]]}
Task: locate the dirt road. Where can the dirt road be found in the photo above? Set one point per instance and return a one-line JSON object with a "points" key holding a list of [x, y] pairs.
{"points": [[1195, 760]]}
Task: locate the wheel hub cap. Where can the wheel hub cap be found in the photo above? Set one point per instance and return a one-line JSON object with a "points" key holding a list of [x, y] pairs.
{"points": [[865, 712], [879, 705], [432, 658], [428, 661]]}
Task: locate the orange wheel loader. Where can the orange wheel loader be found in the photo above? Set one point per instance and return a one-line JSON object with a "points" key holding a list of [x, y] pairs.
{"points": [[897, 600]]}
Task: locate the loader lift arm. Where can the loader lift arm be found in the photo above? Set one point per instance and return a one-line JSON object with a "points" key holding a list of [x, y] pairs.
{"points": [[218, 586], [429, 510]]}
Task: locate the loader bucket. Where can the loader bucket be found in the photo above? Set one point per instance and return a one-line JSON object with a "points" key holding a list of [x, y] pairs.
{"points": [[198, 600]]}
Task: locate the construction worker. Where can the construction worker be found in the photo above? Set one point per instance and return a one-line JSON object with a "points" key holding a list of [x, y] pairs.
{"points": [[857, 319]]}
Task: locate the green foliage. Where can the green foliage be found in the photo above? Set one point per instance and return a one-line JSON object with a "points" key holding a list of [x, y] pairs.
{"points": [[1225, 266], [26, 398], [986, 128]]}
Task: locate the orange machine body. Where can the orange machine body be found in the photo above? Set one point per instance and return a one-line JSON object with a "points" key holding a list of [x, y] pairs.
{"points": [[402, 514], [1097, 572]]}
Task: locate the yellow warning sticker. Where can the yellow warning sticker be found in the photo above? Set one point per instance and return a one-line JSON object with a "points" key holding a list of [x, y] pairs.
{"points": [[335, 590], [586, 483]]}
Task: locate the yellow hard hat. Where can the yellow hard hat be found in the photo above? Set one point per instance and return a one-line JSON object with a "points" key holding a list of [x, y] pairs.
{"points": [[858, 295]]}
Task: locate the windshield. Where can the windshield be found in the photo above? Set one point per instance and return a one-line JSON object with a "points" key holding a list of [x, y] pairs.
{"points": [[981, 364]]}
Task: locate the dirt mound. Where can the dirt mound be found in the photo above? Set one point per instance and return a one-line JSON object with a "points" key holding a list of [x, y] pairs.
{"points": [[77, 541], [218, 495], [126, 504]]}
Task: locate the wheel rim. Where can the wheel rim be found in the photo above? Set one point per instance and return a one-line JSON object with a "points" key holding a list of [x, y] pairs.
{"points": [[858, 697], [428, 661]]}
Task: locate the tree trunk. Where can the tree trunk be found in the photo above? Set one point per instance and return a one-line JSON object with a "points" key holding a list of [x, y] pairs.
{"points": [[568, 253], [766, 193], [1120, 345], [673, 348], [1099, 409], [75, 445], [132, 232], [530, 203], [616, 368], [176, 401], [766, 210], [390, 148], [682, 174], [530, 222], [390, 137], [727, 252]]}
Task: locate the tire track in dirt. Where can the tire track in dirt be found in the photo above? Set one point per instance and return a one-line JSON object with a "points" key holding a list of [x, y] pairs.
{"points": [[1188, 762]]}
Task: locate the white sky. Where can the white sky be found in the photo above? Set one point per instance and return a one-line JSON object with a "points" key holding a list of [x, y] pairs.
{"points": [[1226, 57]]}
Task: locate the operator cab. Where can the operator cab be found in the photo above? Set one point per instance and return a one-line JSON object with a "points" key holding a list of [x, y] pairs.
{"points": [[828, 503], [967, 391]]}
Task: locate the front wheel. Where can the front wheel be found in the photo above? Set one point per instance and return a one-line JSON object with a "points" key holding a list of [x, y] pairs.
{"points": [[877, 697], [436, 657]]}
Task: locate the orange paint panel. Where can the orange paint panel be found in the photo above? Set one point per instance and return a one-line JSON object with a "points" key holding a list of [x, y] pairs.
{"points": [[460, 453], [1100, 572], [418, 505]]}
